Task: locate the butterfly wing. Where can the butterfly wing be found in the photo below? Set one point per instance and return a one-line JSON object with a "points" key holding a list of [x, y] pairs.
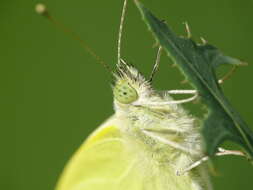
{"points": [[101, 163], [106, 162]]}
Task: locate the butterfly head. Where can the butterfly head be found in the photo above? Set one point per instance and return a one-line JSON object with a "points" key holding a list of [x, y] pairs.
{"points": [[130, 86], [124, 92]]}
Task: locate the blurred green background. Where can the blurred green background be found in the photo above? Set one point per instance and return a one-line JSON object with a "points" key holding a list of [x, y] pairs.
{"points": [[53, 94]]}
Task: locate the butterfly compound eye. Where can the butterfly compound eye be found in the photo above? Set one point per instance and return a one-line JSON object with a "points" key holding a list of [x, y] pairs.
{"points": [[125, 93]]}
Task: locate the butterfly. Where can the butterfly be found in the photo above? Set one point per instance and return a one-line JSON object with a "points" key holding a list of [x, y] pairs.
{"points": [[150, 143]]}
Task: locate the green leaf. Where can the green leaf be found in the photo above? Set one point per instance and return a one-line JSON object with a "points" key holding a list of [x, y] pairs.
{"points": [[198, 64]]}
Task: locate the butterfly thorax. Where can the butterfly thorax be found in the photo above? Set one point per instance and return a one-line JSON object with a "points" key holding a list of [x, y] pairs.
{"points": [[165, 132]]}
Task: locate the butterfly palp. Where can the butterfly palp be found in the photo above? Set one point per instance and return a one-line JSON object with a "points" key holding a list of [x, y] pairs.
{"points": [[124, 92]]}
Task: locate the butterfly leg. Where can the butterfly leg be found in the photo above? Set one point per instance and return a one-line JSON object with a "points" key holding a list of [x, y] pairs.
{"points": [[195, 96], [178, 146], [221, 152], [182, 92], [194, 92]]}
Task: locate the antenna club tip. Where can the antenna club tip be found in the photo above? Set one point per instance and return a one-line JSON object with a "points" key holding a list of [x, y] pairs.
{"points": [[40, 8]]}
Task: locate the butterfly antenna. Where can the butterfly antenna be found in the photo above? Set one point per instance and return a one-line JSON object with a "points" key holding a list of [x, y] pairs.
{"points": [[156, 66], [42, 10], [120, 30]]}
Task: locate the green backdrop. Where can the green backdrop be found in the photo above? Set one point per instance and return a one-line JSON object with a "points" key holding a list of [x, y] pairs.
{"points": [[53, 94]]}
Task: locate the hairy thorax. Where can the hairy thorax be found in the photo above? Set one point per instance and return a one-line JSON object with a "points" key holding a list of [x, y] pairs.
{"points": [[165, 133]]}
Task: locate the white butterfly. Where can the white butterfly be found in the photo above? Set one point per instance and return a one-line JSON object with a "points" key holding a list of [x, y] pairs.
{"points": [[150, 143]]}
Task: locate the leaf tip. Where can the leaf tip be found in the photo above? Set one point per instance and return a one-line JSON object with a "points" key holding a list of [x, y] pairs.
{"points": [[203, 40], [188, 30]]}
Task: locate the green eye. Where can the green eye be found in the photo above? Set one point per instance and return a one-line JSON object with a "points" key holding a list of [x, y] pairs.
{"points": [[125, 93]]}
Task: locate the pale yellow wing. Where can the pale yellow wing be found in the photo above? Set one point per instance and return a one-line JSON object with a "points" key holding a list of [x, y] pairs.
{"points": [[106, 162], [100, 163]]}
